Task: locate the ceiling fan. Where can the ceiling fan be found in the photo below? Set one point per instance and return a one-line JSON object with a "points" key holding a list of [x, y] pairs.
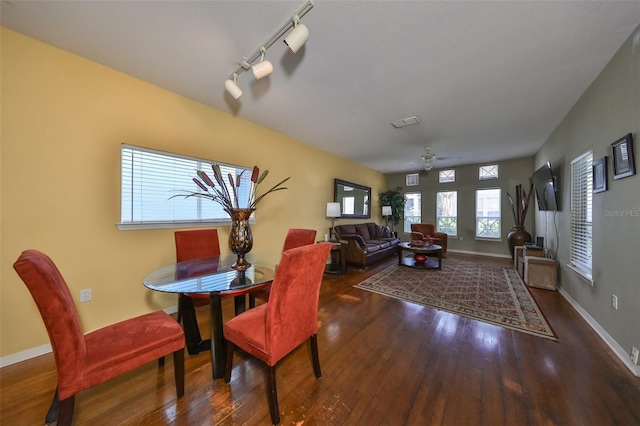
{"points": [[429, 158]]}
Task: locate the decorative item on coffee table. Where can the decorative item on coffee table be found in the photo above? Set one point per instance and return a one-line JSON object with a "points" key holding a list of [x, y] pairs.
{"points": [[421, 251], [226, 194]]}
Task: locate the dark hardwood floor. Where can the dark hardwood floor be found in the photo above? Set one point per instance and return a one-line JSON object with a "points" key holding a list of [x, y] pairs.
{"points": [[384, 362]]}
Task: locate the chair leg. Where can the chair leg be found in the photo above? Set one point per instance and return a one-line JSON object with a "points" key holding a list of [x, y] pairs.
{"points": [[313, 341], [161, 362], [272, 395], [229, 366], [252, 301], [54, 409], [178, 371], [66, 411]]}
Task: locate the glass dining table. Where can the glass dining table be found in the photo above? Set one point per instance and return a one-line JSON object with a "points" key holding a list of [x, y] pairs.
{"points": [[216, 277]]}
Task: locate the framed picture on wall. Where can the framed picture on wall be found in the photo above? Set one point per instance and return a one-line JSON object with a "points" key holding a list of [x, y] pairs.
{"points": [[622, 156], [600, 175]]}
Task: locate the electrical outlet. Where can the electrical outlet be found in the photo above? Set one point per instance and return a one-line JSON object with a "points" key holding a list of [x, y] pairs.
{"points": [[614, 301], [635, 353], [461, 238], [85, 295]]}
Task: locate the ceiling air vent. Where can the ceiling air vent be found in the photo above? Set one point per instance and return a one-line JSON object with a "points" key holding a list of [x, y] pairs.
{"points": [[405, 122]]}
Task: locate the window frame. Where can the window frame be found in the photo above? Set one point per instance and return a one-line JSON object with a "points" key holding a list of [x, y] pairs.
{"points": [[412, 179], [134, 198], [581, 218], [447, 176], [499, 217], [484, 172], [440, 222], [407, 225]]}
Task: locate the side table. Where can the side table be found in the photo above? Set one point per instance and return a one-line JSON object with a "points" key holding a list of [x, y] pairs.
{"points": [[338, 263]]}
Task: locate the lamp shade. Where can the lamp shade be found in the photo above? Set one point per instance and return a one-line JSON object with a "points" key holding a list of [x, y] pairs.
{"points": [[333, 209], [233, 88], [297, 37], [262, 69], [386, 211]]}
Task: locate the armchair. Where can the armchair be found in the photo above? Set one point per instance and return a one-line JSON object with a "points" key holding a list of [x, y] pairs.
{"points": [[420, 231]]}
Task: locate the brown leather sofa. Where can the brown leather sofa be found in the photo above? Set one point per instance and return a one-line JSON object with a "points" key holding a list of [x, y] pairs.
{"points": [[420, 231], [367, 243]]}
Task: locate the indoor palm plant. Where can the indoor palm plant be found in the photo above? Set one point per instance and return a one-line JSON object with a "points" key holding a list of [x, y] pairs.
{"points": [[395, 199]]}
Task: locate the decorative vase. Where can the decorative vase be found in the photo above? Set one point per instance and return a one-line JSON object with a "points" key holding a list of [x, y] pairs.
{"points": [[240, 237], [517, 237], [420, 258]]}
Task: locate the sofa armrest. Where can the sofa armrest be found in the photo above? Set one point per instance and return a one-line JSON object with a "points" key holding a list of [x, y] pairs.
{"points": [[354, 238]]}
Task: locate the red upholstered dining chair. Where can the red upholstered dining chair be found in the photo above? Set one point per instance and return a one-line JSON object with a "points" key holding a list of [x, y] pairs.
{"points": [[273, 329], [196, 244], [190, 245], [83, 361], [295, 238]]}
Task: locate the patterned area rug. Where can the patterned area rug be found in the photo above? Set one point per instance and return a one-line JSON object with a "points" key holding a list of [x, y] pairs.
{"points": [[489, 293]]}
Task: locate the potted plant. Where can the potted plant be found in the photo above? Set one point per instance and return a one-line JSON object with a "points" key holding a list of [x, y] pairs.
{"points": [[395, 199]]}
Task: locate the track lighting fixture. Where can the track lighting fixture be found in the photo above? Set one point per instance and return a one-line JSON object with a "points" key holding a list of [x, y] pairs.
{"points": [[295, 40], [262, 68], [298, 37], [232, 87]]}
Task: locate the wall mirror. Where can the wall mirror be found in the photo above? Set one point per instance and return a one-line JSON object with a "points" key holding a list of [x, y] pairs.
{"points": [[354, 199]]}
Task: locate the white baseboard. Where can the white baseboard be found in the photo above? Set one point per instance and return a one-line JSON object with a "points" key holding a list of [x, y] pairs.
{"points": [[615, 347], [45, 349], [25, 355], [475, 253]]}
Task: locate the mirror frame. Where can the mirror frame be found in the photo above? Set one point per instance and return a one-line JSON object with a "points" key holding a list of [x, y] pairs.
{"points": [[339, 182]]}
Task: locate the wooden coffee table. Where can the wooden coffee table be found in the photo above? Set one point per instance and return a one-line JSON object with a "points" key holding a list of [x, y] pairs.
{"points": [[429, 251]]}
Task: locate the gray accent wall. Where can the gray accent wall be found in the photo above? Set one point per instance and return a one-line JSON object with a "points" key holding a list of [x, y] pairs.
{"points": [[510, 174], [608, 110]]}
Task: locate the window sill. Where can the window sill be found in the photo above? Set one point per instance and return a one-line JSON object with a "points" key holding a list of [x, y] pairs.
{"points": [[497, 240], [584, 275], [175, 225]]}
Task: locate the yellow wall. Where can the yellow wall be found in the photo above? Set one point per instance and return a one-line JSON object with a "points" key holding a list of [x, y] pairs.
{"points": [[63, 120]]}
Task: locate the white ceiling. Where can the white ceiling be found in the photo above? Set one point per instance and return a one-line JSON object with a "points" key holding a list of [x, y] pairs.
{"points": [[489, 80]]}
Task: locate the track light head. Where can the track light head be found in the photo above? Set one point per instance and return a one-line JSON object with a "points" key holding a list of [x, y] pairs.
{"points": [[297, 37], [232, 87], [262, 68]]}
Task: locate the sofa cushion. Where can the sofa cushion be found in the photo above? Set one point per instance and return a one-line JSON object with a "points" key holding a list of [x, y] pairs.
{"points": [[363, 230], [381, 243], [372, 248], [347, 229]]}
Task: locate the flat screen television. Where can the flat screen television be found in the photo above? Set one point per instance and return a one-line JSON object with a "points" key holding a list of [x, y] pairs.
{"points": [[546, 189]]}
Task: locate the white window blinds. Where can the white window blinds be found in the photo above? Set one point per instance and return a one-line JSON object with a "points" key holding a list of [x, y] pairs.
{"points": [[150, 178], [581, 219]]}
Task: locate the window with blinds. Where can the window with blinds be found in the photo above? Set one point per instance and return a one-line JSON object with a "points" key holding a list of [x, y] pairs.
{"points": [[151, 178], [581, 219]]}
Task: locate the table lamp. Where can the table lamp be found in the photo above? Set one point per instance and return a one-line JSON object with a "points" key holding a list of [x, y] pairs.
{"points": [[386, 212], [333, 211]]}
